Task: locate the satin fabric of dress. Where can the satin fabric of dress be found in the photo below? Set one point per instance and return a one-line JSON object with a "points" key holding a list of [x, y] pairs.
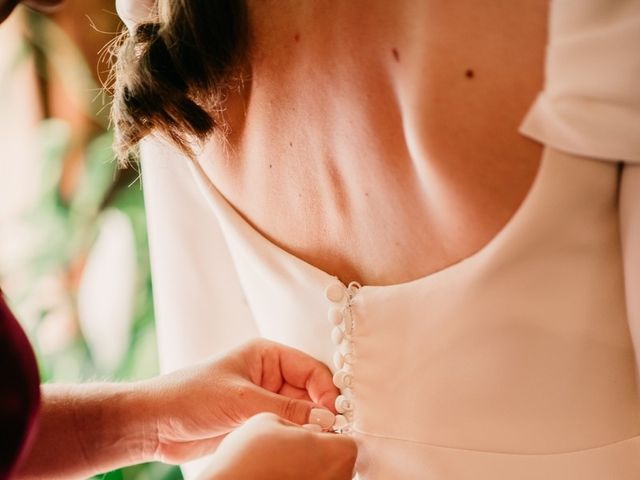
{"points": [[517, 362]]}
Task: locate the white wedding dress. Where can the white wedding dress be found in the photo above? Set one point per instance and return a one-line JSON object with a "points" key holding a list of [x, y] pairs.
{"points": [[515, 363]]}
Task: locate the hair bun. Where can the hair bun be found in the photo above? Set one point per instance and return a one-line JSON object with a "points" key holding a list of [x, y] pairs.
{"points": [[162, 70]]}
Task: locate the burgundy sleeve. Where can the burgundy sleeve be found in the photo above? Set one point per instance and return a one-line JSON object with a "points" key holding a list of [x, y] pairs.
{"points": [[19, 391]]}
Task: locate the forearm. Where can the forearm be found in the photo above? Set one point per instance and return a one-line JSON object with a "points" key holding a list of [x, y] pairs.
{"points": [[91, 428]]}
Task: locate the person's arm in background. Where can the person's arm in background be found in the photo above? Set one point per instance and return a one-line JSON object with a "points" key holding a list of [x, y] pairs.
{"points": [[597, 116], [93, 428], [199, 304]]}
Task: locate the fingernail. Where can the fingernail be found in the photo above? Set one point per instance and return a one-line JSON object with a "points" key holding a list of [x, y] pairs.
{"points": [[313, 427], [322, 417]]}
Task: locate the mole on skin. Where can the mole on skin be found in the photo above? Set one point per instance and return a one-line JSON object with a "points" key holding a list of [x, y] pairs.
{"points": [[296, 37], [396, 54], [469, 73]]}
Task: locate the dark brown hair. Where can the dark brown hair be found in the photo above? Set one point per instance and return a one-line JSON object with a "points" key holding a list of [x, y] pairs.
{"points": [[171, 73]]}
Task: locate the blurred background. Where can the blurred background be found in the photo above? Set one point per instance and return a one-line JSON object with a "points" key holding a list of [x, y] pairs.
{"points": [[73, 246]]}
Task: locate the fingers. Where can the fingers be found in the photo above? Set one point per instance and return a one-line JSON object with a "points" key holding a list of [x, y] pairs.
{"points": [[267, 447], [336, 441], [177, 453], [294, 410], [285, 369], [339, 451], [343, 454], [270, 419], [294, 392]]}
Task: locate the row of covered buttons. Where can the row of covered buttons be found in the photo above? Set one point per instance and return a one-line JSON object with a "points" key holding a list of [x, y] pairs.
{"points": [[341, 317]]}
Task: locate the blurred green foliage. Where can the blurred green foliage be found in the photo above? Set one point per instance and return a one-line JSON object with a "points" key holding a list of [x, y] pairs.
{"points": [[65, 229]]}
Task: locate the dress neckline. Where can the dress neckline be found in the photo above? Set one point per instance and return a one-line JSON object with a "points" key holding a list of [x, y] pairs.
{"points": [[241, 226], [235, 220]]}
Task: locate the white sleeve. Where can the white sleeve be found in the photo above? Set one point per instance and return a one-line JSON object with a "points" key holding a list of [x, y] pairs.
{"points": [[590, 105], [199, 304]]}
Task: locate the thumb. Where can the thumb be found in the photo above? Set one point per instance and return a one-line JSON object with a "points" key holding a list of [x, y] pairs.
{"points": [[295, 410]]}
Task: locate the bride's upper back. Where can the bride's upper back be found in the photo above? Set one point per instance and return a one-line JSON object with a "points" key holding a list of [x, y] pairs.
{"points": [[378, 140]]}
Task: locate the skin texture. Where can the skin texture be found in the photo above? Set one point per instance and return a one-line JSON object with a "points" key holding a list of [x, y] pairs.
{"points": [[309, 454], [92, 428], [186, 414], [409, 158]]}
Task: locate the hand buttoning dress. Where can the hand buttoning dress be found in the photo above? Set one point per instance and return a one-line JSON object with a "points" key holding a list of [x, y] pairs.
{"points": [[517, 362]]}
